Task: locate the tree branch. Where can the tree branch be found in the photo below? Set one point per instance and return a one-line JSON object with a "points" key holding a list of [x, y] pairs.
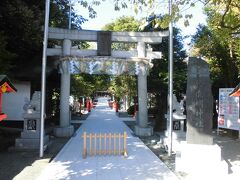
{"points": [[222, 22]]}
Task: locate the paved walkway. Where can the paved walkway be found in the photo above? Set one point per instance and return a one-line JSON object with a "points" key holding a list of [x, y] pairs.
{"points": [[141, 163]]}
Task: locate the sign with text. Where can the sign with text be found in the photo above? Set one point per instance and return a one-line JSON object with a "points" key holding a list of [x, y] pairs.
{"points": [[228, 112]]}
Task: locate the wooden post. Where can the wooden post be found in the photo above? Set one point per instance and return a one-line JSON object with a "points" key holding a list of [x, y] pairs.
{"points": [[95, 144], [100, 143], [90, 141], [109, 143], [125, 144], [105, 143], [84, 145], [114, 140], [119, 143]]}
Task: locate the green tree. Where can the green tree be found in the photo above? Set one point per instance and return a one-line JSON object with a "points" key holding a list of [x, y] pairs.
{"points": [[224, 71], [124, 23], [223, 21], [21, 24], [5, 55], [218, 43], [21, 38], [222, 34], [87, 84], [224, 15]]}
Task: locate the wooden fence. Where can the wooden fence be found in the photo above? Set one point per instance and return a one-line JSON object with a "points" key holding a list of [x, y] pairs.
{"points": [[104, 144]]}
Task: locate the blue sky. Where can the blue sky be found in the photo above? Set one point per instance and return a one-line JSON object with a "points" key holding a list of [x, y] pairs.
{"points": [[106, 14]]}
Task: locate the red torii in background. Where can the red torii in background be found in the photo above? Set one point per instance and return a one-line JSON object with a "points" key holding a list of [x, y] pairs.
{"points": [[5, 87]]}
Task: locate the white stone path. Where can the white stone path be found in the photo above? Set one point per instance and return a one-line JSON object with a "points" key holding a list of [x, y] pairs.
{"points": [[141, 163]]}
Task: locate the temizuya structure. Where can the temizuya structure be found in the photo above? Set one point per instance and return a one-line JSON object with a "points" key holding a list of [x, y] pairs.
{"points": [[104, 61]]}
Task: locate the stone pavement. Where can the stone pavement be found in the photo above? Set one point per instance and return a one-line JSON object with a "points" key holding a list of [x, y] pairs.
{"points": [[140, 164]]}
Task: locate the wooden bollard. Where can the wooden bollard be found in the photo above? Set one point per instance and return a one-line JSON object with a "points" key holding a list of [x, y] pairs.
{"points": [[100, 144], [125, 144], [119, 143], [90, 141], [95, 144], [84, 145], [109, 143], [105, 144]]}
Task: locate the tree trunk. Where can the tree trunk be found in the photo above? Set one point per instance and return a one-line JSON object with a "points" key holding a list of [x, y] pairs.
{"points": [[161, 122]]}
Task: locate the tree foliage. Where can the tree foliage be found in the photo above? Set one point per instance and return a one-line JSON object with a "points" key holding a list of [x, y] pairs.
{"points": [[124, 85], [87, 85], [21, 32], [224, 14], [124, 23], [224, 68], [222, 47], [219, 43], [21, 38]]}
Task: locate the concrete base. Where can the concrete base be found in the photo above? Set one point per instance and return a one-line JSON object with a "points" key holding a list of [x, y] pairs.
{"points": [[177, 137], [64, 131], [201, 161], [140, 131], [29, 144]]}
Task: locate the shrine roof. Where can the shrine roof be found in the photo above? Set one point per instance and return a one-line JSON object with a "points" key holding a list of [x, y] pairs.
{"points": [[4, 79], [236, 91]]}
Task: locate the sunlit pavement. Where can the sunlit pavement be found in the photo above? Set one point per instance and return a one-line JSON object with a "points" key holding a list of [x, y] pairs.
{"points": [[140, 164]]}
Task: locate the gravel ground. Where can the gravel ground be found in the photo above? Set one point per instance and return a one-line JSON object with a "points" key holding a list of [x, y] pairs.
{"points": [[28, 165], [158, 149], [230, 149]]}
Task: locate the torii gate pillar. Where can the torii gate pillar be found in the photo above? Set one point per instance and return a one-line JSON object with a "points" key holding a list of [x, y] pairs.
{"points": [[142, 128], [65, 129]]}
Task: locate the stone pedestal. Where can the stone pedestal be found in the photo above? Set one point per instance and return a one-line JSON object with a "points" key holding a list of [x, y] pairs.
{"points": [[201, 161], [30, 137], [178, 133], [143, 131], [64, 131]]}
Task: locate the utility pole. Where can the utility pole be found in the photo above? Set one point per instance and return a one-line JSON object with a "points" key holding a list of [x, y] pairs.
{"points": [[70, 14], [43, 86], [170, 72]]}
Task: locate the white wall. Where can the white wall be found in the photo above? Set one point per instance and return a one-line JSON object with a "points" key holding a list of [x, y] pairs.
{"points": [[12, 103]]}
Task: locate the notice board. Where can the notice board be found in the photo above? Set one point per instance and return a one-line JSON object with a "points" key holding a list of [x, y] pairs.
{"points": [[228, 111]]}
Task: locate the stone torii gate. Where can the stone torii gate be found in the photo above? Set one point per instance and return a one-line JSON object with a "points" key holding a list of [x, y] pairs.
{"points": [[104, 61]]}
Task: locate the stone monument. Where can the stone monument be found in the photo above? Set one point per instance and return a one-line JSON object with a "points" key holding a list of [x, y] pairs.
{"points": [[199, 103], [198, 155], [30, 137]]}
